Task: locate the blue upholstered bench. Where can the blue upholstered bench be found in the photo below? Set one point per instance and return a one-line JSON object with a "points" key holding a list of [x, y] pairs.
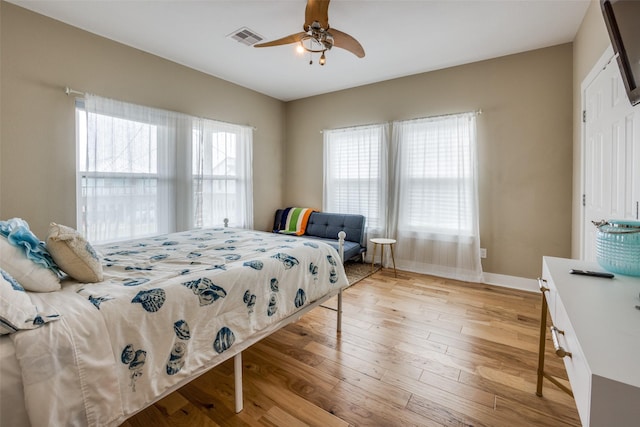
{"points": [[326, 226]]}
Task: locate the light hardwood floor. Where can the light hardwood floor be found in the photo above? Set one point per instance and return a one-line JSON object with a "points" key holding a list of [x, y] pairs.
{"points": [[415, 350]]}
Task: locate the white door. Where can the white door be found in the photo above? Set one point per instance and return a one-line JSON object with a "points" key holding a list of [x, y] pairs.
{"points": [[611, 154]]}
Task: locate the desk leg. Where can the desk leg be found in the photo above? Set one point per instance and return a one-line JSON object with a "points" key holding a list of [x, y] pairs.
{"points": [[543, 336], [541, 347]]}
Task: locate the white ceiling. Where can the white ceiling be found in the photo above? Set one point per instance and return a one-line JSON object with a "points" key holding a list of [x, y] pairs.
{"points": [[400, 37]]}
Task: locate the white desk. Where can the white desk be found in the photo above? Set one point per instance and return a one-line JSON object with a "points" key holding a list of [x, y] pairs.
{"points": [[602, 332]]}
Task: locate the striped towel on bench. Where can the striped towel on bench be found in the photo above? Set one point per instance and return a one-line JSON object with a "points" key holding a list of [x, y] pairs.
{"points": [[294, 220]]}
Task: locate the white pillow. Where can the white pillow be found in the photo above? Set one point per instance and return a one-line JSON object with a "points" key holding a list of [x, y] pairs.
{"points": [[73, 254], [32, 276], [16, 309]]}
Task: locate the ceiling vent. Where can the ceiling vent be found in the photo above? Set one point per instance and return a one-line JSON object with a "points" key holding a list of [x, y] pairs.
{"points": [[245, 36]]}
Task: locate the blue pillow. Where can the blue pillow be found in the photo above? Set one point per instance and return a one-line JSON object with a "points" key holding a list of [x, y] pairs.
{"points": [[17, 232]]}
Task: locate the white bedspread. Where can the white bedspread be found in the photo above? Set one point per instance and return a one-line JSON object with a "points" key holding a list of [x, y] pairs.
{"points": [[169, 308]]}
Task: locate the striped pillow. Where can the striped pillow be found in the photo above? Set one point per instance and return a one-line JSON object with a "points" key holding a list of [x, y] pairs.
{"points": [[294, 220]]}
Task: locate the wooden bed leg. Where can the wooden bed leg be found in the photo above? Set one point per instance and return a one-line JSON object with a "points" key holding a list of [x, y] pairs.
{"points": [[237, 373], [339, 322]]}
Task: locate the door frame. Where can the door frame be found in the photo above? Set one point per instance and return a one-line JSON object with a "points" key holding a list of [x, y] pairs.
{"points": [[607, 56]]}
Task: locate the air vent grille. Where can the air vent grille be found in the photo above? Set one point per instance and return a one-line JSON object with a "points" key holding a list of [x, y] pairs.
{"points": [[245, 36]]}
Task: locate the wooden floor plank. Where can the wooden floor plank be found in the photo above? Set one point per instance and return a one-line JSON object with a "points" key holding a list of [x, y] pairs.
{"points": [[439, 385], [391, 395], [355, 363], [415, 350], [277, 416]]}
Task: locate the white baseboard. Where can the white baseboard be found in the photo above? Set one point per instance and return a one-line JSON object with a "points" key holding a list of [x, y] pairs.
{"points": [[512, 282]]}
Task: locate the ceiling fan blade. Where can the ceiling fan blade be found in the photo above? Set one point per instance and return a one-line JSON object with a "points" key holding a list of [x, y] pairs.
{"points": [[345, 41], [316, 10], [293, 38]]}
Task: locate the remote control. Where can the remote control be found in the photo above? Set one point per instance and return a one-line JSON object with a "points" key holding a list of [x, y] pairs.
{"points": [[592, 273]]}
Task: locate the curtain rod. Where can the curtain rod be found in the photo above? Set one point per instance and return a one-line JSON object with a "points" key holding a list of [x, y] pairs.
{"points": [[358, 126], [68, 91], [476, 112]]}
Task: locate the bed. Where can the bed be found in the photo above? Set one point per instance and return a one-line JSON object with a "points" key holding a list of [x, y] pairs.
{"points": [[168, 309]]}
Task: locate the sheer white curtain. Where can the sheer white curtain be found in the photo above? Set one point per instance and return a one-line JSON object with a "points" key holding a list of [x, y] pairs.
{"points": [[355, 174], [143, 171], [127, 170], [222, 174], [434, 208]]}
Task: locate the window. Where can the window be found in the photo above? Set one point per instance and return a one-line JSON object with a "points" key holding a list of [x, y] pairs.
{"points": [[431, 205], [436, 175], [435, 219], [355, 168], [144, 171], [221, 174]]}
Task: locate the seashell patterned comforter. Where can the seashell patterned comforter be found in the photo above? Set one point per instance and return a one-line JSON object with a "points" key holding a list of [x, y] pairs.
{"points": [[168, 309]]}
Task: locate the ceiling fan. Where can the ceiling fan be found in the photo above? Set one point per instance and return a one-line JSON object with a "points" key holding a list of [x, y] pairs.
{"points": [[317, 36]]}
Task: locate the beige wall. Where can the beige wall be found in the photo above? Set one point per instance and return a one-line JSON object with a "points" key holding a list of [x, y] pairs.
{"points": [[525, 145], [41, 56], [590, 43], [525, 132]]}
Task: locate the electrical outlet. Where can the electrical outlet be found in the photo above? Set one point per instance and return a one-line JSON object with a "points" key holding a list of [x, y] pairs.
{"points": [[483, 252]]}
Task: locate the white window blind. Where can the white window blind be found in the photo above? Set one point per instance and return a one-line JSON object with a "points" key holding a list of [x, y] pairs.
{"points": [[137, 174], [435, 173], [355, 173]]}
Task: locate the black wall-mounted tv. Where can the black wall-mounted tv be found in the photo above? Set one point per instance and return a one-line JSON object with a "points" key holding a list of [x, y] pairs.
{"points": [[622, 18]]}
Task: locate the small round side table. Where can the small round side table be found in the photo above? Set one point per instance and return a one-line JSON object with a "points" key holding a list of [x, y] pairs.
{"points": [[382, 242]]}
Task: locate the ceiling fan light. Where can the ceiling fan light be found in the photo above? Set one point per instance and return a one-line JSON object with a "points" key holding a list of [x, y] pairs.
{"points": [[323, 59], [300, 48]]}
